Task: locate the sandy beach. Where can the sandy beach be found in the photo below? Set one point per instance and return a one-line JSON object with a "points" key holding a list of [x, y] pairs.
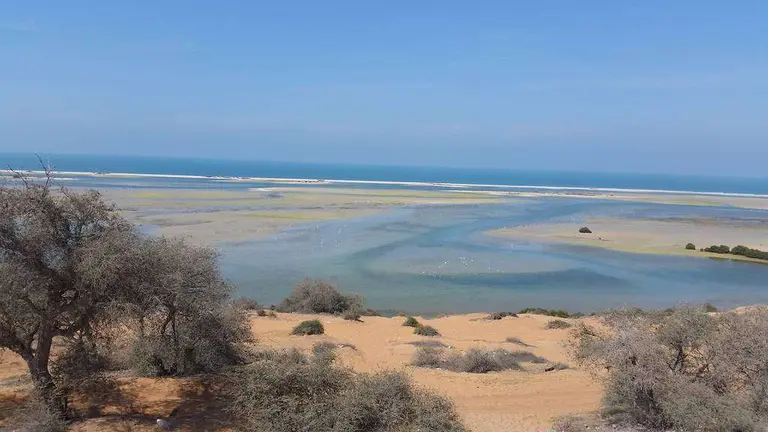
{"points": [[652, 236], [511, 401]]}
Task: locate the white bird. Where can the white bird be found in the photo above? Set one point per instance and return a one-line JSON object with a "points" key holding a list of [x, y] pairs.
{"points": [[168, 423]]}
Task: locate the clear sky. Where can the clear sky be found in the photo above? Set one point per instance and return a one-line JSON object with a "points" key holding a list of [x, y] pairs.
{"points": [[641, 86]]}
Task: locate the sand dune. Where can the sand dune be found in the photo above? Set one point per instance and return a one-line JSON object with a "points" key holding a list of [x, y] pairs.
{"points": [[500, 401]]}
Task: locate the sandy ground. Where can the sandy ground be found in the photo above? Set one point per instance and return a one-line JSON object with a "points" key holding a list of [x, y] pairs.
{"points": [[666, 236], [504, 401], [218, 216]]}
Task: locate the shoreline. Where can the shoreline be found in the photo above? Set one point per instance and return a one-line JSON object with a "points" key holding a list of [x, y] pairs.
{"points": [[645, 236], [310, 181]]}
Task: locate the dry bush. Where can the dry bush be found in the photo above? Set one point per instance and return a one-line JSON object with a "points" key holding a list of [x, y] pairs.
{"points": [[247, 303], [35, 416], [317, 296], [683, 369], [500, 315], [352, 314], [558, 325], [473, 360], [423, 330], [428, 343], [289, 391]]}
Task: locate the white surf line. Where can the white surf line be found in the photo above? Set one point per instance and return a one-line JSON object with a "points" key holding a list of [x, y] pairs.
{"points": [[392, 183]]}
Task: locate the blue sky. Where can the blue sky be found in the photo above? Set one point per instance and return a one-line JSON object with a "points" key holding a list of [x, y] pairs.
{"points": [[647, 86]]}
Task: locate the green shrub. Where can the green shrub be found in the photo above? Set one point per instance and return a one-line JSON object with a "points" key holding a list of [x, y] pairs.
{"points": [[749, 252], [411, 322], [559, 313], [423, 330], [500, 315], [558, 324], [709, 307], [317, 296], [722, 249], [308, 328], [288, 391], [690, 246], [585, 230]]}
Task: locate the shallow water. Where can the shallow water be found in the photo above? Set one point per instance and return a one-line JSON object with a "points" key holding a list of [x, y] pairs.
{"points": [[437, 259]]}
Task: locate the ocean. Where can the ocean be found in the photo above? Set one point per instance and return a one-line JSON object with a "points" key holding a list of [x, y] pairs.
{"points": [[243, 168]]}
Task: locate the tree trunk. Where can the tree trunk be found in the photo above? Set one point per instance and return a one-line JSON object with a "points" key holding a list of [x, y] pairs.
{"points": [[38, 368]]}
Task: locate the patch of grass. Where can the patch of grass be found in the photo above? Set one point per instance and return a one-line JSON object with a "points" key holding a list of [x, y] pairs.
{"points": [[558, 313], [411, 322], [557, 324], [500, 315], [309, 327], [423, 330]]}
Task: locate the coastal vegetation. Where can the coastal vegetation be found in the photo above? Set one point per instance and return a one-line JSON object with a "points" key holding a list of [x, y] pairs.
{"points": [[685, 370], [411, 322], [559, 313], [690, 246], [500, 315], [309, 328], [557, 325], [425, 330], [473, 360], [318, 296], [739, 250], [287, 391]]}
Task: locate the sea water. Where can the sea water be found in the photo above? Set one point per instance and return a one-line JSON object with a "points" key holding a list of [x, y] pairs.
{"points": [[433, 259]]}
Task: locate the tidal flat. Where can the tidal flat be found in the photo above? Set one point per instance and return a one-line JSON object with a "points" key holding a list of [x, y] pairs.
{"points": [[439, 251]]}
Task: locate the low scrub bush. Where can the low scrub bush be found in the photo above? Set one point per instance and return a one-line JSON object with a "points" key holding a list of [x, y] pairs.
{"points": [[289, 391], [411, 322], [308, 328], [33, 415], [352, 315], [558, 324], [722, 249], [585, 230], [685, 370], [500, 315], [473, 360], [559, 313], [247, 303], [428, 343], [317, 296], [690, 246], [266, 313], [423, 330]]}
